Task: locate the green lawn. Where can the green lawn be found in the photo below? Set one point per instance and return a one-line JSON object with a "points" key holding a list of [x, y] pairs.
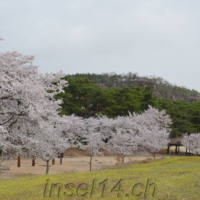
{"points": [[174, 178]]}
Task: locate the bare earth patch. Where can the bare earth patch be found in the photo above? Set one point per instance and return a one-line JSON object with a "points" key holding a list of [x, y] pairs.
{"points": [[78, 163]]}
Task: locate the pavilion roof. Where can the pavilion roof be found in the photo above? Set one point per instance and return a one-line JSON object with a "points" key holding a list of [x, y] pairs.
{"points": [[175, 141]]}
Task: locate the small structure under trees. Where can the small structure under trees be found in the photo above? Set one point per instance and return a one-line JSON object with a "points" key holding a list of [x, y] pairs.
{"points": [[174, 142], [178, 142]]}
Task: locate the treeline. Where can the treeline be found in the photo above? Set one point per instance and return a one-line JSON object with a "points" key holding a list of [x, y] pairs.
{"points": [[163, 87], [84, 98]]}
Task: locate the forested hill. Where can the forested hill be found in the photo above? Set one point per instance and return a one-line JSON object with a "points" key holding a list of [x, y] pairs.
{"points": [[83, 98], [161, 88]]}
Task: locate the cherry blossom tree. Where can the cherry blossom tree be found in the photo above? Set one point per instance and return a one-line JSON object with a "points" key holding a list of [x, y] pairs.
{"points": [[73, 130], [152, 116], [102, 124], [27, 104], [122, 143], [124, 136], [152, 139], [92, 142], [149, 131], [152, 127], [117, 134], [48, 144], [4, 146], [192, 142]]}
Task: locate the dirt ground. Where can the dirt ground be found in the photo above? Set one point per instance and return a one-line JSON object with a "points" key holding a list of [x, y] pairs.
{"points": [[78, 163]]}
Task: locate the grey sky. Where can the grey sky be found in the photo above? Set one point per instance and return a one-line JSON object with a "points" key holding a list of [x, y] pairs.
{"points": [[151, 37]]}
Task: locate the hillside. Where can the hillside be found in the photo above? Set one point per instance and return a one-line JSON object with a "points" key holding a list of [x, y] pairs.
{"points": [[161, 88]]}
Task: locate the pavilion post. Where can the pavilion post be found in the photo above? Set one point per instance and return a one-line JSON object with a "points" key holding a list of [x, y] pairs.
{"points": [[176, 149], [53, 161], [168, 149], [33, 161], [19, 161]]}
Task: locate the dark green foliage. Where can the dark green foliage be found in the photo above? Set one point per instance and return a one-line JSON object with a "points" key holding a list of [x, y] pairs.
{"points": [[79, 97], [163, 87], [84, 98], [184, 115]]}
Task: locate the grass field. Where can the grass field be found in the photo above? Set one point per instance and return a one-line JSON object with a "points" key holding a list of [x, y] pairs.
{"points": [[173, 178]]}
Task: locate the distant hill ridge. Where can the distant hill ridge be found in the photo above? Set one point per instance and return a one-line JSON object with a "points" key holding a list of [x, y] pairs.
{"points": [[161, 88]]}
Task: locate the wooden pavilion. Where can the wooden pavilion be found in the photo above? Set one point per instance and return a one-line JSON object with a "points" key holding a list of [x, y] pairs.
{"points": [[177, 143]]}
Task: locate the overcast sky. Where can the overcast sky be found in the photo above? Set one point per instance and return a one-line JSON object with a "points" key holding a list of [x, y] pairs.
{"points": [[151, 37]]}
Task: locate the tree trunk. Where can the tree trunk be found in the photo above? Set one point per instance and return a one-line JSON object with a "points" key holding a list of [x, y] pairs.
{"points": [[154, 155], [123, 159], [61, 158], [47, 170], [90, 162], [168, 149]]}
